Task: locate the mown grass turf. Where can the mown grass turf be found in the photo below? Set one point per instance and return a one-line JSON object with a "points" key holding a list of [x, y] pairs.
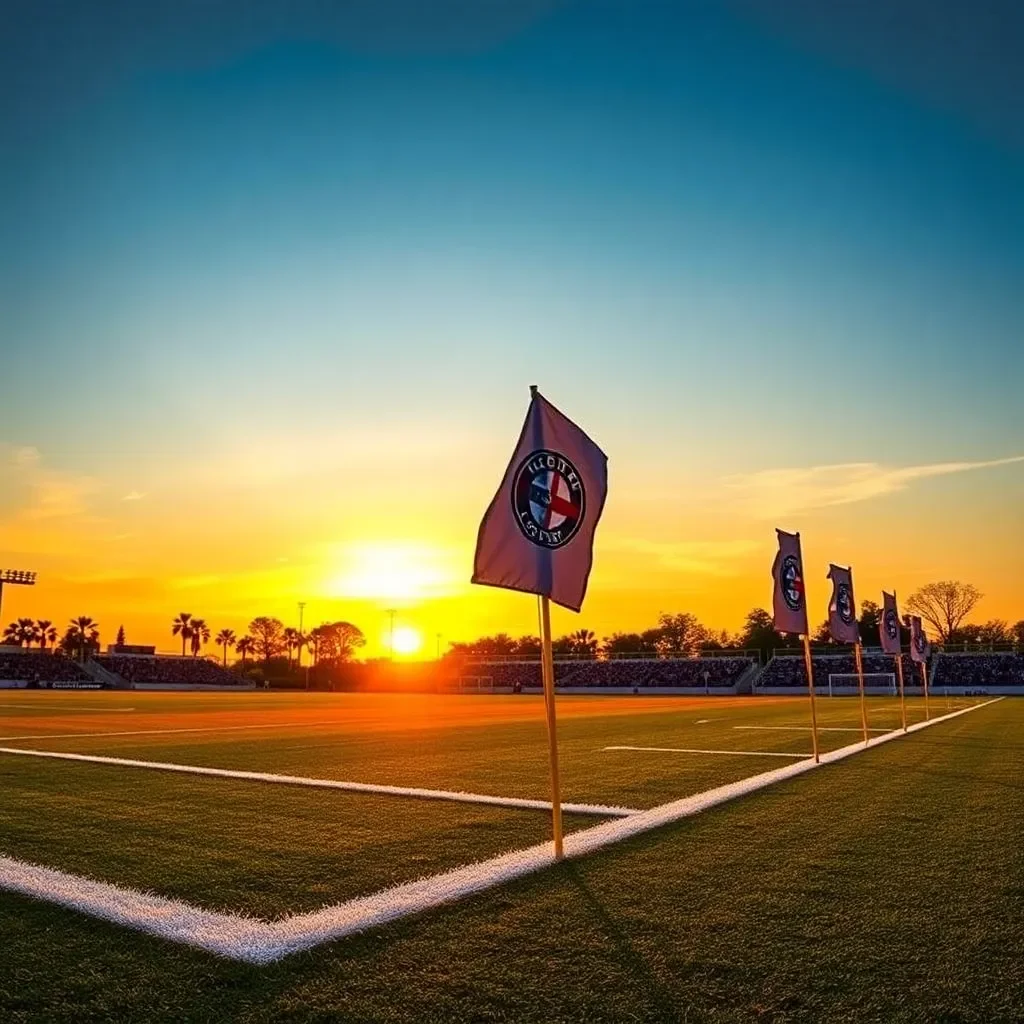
{"points": [[241, 846], [888, 887], [494, 745]]}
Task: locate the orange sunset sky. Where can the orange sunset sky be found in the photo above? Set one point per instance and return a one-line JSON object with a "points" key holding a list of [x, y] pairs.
{"points": [[272, 301]]}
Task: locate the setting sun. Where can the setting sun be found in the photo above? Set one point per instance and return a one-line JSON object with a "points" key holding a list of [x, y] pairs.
{"points": [[407, 640]]}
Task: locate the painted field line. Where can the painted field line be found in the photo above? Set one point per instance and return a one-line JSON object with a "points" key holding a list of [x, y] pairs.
{"points": [[694, 750], [351, 787], [805, 728], [168, 732], [259, 942], [73, 709]]}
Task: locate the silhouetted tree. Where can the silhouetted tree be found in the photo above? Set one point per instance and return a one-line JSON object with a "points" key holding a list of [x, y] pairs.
{"points": [[82, 636], [245, 645], [944, 605], [870, 616], [180, 627], [47, 633], [200, 634], [120, 636], [681, 633], [225, 639], [267, 635]]}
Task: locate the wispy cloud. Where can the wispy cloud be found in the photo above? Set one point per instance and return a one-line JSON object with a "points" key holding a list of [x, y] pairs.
{"points": [[702, 557], [134, 496], [777, 492]]}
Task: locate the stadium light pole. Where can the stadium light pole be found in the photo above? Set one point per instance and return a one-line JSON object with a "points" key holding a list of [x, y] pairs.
{"points": [[16, 578], [391, 635]]}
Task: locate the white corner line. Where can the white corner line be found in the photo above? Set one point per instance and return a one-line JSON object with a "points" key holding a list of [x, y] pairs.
{"points": [[694, 750], [254, 941], [599, 810]]}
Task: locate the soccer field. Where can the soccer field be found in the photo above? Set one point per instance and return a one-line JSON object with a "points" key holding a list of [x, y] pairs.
{"points": [[885, 885]]}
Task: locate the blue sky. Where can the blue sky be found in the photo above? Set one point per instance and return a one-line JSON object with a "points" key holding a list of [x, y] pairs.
{"points": [[729, 238]]}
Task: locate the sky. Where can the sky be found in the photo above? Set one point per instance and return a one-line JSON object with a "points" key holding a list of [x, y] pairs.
{"points": [[275, 279]]}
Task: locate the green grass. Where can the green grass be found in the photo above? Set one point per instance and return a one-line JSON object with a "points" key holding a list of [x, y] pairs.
{"points": [[887, 887]]}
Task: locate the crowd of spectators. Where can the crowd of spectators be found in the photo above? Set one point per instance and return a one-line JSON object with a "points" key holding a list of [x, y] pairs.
{"points": [[619, 673], [788, 670], [979, 670], [41, 668], [167, 670]]}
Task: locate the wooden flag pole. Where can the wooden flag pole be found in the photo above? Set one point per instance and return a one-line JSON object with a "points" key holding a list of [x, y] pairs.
{"points": [[810, 689], [924, 679], [899, 676], [858, 658], [548, 670]]}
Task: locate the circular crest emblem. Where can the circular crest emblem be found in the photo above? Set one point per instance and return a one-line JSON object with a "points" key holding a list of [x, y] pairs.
{"points": [[892, 626], [792, 583], [844, 604], [548, 499]]}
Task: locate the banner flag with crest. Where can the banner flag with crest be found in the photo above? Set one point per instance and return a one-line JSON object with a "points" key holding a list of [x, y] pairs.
{"points": [[889, 625], [842, 609], [789, 600], [538, 532], [920, 649]]}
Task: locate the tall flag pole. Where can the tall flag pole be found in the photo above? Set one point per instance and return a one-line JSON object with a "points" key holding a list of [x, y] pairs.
{"points": [[843, 626], [537, 536], [789, 605], [920, 649], [889, 637]]}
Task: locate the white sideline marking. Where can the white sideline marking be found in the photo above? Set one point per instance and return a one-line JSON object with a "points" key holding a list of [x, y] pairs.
{"points": [[691, 750], [167, 732], [259, 942], [805, 728], [354, 787]]}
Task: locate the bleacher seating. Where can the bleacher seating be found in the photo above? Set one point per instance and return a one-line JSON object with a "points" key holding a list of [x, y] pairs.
{"points": [[41, 667], [979, 670], [788, 670], [619, 673], [168, 671]]}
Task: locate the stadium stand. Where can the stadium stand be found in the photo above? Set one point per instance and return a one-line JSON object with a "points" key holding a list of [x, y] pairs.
{"points": [[787, 670], [41, 668], [618, 673], [979, 670], [168, 671]]}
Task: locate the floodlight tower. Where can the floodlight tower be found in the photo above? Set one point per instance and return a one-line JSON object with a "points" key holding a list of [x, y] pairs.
{"points": [[16, 577]]}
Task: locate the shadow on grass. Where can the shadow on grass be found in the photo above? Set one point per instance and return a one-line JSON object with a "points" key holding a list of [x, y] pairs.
{"points": [[664, 1002]]}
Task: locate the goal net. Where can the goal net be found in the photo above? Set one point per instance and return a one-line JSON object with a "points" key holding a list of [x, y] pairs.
{"points": [[476, 684], [843, 684]]}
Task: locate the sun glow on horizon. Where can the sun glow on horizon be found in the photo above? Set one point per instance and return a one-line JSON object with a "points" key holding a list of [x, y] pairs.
{"points": [[406, 641], [403, 571]]}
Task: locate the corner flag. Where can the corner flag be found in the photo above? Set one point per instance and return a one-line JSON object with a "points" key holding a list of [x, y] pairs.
{"points": [[538, 532], [919, 646], [842, 609], [789, 601], [889, 625]]}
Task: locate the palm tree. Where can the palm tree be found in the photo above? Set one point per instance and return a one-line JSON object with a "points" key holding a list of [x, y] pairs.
{"points": [[11, 633], [245, 645], [84, 631], [46, 632], [225, 638], [180, 627], [200, 635], [583, 642], [27, 632], [292, 639]]}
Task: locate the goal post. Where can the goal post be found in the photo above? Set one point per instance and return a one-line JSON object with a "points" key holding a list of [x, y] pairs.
{"points": [[847, 684], [476, 684]]}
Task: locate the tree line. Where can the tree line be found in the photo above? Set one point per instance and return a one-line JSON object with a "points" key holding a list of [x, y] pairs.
{"points": [[945, 606]]}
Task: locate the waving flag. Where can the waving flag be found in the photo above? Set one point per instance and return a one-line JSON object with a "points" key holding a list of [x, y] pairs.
{"points": [[789, 601], [842, 609], [919, 646], [538, 532], [889, 625]]}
